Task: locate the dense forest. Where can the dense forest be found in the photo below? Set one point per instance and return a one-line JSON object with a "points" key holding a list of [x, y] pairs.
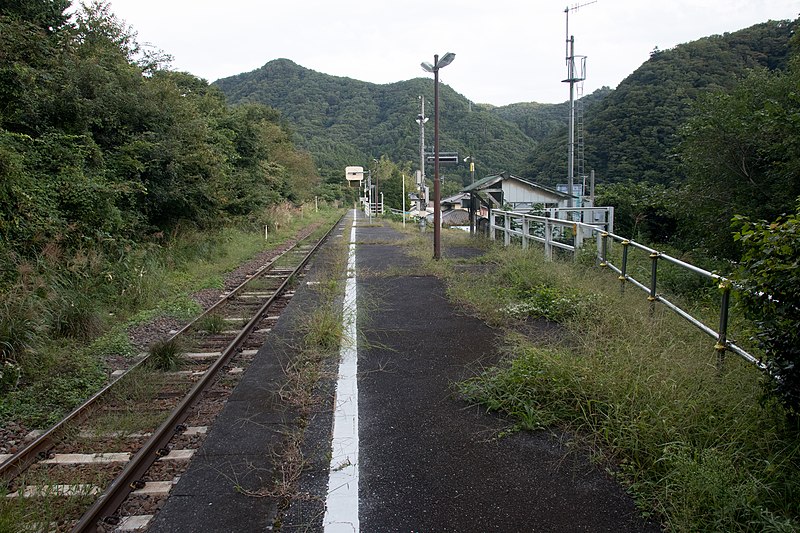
{"points": [[99, 141], [343, 122]]}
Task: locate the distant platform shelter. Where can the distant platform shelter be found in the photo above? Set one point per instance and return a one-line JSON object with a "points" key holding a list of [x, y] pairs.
{"points": [[507, 191]]}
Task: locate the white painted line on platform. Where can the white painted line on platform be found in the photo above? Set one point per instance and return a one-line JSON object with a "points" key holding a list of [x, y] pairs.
{"points": [[341, 509]]}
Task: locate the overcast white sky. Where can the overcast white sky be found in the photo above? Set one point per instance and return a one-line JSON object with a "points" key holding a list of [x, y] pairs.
{"points": [[506, 50]]}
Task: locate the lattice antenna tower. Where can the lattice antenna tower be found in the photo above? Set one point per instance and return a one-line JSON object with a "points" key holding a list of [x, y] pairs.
{"points": [[576, 73]]}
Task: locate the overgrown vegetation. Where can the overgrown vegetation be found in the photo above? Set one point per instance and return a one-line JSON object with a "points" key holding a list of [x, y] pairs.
{"points": [[771, 279], [320, 333], [700, 447], [45, 376], [124, 186], [165, 355]]}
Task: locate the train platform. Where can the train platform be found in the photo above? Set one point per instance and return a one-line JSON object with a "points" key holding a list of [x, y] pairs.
{"points": [[408, 454]]}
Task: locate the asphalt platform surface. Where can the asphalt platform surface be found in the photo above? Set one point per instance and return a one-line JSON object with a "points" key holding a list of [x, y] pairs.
{"points": [[428, 462]]}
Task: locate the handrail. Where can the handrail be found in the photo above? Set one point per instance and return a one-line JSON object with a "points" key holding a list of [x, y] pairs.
{"points": [[521, 224]]}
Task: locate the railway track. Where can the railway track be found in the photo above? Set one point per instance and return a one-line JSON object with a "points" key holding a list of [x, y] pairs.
{"points": [[111, 462]]}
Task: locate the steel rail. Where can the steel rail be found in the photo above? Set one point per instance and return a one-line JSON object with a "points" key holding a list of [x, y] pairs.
{"points": [[155, 446], [40, 447]]}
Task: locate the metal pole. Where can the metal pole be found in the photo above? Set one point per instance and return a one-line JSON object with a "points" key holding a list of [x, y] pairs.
{"points": [[369, 197], [722, 340], [604, 249], [525, 232], [653, 277], [421, 152], [571, 156], [472, 213], [437, 208], [623, 275], [377, 177], [404, 200]]}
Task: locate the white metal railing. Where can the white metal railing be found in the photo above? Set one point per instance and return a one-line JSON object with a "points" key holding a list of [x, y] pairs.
{"points": [[570, 235]]}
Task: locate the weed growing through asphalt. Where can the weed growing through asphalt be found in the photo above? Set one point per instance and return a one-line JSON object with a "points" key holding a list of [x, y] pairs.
{"points": [[321, 334]]}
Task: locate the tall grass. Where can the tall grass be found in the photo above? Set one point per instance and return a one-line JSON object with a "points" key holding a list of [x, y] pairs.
{"points": [[696, 443], [63, 311]]}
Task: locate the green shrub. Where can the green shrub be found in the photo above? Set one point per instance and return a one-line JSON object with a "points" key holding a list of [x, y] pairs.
{"points": [[551, 303], [770, 274], [115, 342], [212, 323], [166, 356], [19, 326], [75, 315]]}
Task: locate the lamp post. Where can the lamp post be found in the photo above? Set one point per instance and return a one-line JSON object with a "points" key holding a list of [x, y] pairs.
{"points": [[437, 208]]}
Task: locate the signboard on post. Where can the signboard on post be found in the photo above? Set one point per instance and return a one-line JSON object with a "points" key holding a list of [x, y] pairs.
{"points": [[445, 158], [354, 173]]}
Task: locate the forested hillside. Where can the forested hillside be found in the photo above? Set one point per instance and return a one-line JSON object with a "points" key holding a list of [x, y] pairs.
{"points": [[344, 121], [99, 142], [541, 121], [633, 133]]}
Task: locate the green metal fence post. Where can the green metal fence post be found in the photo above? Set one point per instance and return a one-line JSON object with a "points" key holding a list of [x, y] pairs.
{"points": [[653, 277], [722, 340], [623, 275]]}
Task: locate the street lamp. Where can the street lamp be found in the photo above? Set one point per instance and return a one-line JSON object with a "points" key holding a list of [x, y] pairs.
{"points": [[471, 160], [437, 208]]}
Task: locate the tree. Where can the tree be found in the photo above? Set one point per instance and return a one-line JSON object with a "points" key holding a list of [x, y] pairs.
{"points": [[641, 211], [770, 275], [741, 152]]}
